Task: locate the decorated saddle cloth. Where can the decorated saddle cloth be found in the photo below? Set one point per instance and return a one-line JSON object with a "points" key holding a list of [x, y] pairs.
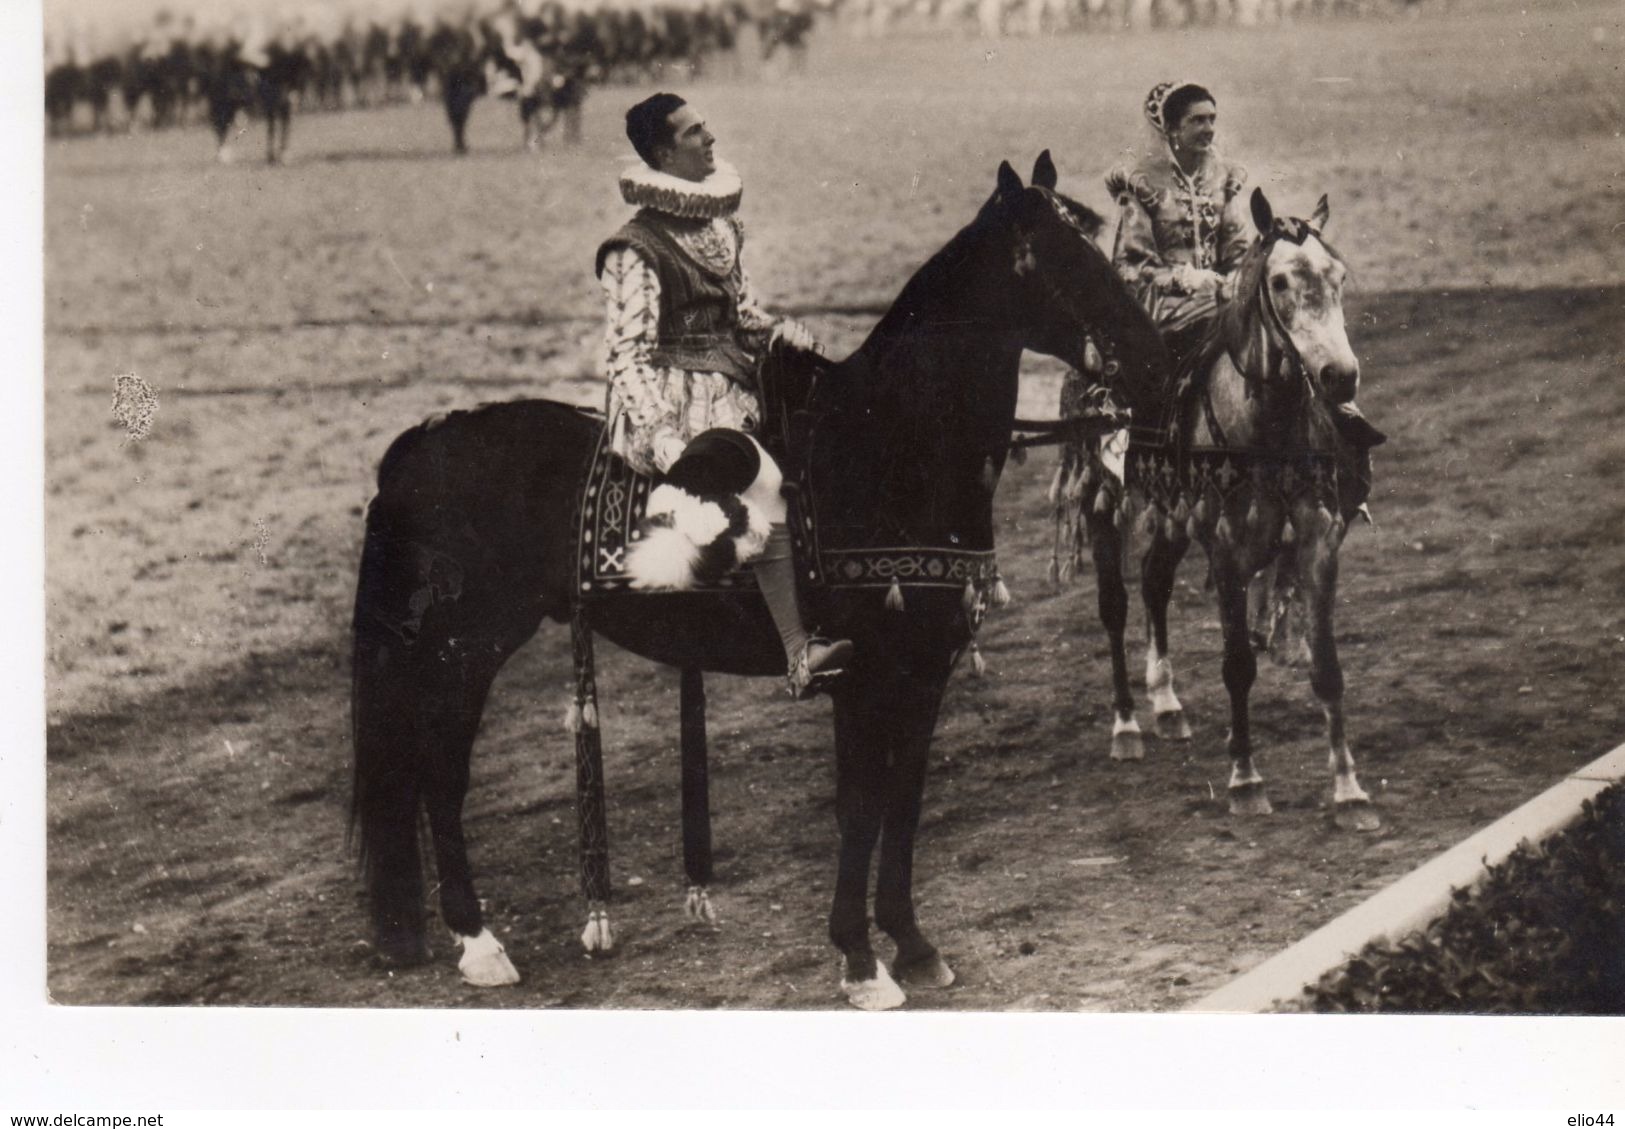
{"points": [[1149, 460], [836, 555], [610, 522], [611, 517]]}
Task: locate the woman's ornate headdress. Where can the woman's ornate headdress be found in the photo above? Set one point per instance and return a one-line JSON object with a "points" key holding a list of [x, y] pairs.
{"points": [[1157, 101]]}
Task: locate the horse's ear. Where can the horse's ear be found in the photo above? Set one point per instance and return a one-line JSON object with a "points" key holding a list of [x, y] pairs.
{"points": [[1263, 214], [1044, 171], [1009, 183], [1323, 213]]}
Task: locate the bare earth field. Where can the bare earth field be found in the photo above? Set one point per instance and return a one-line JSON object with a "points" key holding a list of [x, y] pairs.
{"points": [[293, 320]]}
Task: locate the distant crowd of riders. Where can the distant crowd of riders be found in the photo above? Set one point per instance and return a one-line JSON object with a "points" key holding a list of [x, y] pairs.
{"points": [[545, 56]]}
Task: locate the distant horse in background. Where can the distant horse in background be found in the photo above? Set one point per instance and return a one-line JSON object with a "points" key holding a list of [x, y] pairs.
{"points": [[288, 68], [472, 541], [1243, 458], [229, 88]]}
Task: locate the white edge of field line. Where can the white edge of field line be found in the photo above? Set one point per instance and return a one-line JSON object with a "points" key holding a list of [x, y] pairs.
{"points": [[1416, 899]]}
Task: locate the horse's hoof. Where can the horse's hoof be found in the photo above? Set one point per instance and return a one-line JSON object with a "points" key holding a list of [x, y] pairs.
{"points": [[598, 937], [485, 963], [1249, 800], [1128, 745], [1357, 815], [930, 972], [698, 906], [400, 950], [878, 994], [1172, 726]]}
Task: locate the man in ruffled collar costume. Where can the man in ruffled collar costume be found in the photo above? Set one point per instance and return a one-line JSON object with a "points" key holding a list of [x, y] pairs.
{"points": [[683, 337], [1186, 225]]}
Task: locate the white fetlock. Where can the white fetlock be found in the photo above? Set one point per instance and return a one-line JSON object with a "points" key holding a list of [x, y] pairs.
{"points": [[597, 937], [698, 906], [485, 962], [1346, 790], [878, 994], [1127, 743]]}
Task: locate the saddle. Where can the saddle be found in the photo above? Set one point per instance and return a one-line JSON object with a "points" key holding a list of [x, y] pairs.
{"points": [[609, 523], [614, 497]]}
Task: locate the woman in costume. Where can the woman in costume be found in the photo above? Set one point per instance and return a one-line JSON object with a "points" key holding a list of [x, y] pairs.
{"points": [[1185, 225]]}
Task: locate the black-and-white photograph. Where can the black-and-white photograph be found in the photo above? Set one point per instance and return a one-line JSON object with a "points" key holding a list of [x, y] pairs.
{"points": [[1020, 506]]}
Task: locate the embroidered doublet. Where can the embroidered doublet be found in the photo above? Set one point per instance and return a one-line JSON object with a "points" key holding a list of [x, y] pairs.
{"points": [[683, 329]]}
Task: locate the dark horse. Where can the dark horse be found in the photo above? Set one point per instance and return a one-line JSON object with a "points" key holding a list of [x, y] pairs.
{"points": [[470, 544], [1242, 457]]}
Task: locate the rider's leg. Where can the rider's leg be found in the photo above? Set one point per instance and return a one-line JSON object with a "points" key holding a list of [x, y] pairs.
{"points": [[811, 660]]}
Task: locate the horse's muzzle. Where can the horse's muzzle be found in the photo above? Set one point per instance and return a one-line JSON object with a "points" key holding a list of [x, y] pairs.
{"points": [[1339, 383]]}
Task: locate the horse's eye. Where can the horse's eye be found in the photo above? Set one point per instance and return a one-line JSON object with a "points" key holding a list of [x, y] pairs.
{"points": [[1279, 282]]}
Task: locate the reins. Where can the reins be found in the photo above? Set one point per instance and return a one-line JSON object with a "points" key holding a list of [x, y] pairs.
{"points": [[1049, 432]]}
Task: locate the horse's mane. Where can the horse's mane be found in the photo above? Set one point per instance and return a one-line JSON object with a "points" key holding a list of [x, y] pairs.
{"points": [[1089, 221], [928, 277], [1235, 318], [929, 274]]}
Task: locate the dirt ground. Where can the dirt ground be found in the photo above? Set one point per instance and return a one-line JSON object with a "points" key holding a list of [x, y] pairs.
{"points": [[293, 320]]}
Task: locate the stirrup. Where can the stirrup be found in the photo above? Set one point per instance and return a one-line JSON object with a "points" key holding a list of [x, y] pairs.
{"points": [[804, 680]]}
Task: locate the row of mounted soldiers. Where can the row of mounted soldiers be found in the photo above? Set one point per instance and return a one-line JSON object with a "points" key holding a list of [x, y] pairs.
{"points": [[998, 18], [545, 56]]}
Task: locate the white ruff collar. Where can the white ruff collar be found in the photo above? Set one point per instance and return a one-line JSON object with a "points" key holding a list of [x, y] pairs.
{"points": [[716, 195]]}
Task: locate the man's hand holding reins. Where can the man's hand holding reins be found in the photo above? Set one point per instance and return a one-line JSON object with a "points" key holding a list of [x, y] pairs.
{"points": [[791, 333]]}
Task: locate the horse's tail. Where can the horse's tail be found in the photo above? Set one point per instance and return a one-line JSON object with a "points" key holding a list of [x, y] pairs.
{"points": [[389, 766], [387, 687], [469, 535]]}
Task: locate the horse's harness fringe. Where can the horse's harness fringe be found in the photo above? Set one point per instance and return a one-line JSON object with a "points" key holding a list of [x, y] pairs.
{"points": [[1182, 488]]}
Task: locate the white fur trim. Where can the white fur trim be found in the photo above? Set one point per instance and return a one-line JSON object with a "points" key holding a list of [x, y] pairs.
{"points": [[749, 544], [701, 521], [717, 195], [767, 492], [666, 556], [664, 559]]}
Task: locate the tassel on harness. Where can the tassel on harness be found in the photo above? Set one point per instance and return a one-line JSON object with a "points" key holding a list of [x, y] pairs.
{"points": [[1054, 491], [894, 597]]}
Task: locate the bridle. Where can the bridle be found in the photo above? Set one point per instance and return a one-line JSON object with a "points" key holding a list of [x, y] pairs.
{"points": [[1077, 429], [1273, 325]]}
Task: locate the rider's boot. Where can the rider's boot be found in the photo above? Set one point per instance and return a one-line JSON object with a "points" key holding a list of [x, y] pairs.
{"points": [[814, 662], [1355, 429]]}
